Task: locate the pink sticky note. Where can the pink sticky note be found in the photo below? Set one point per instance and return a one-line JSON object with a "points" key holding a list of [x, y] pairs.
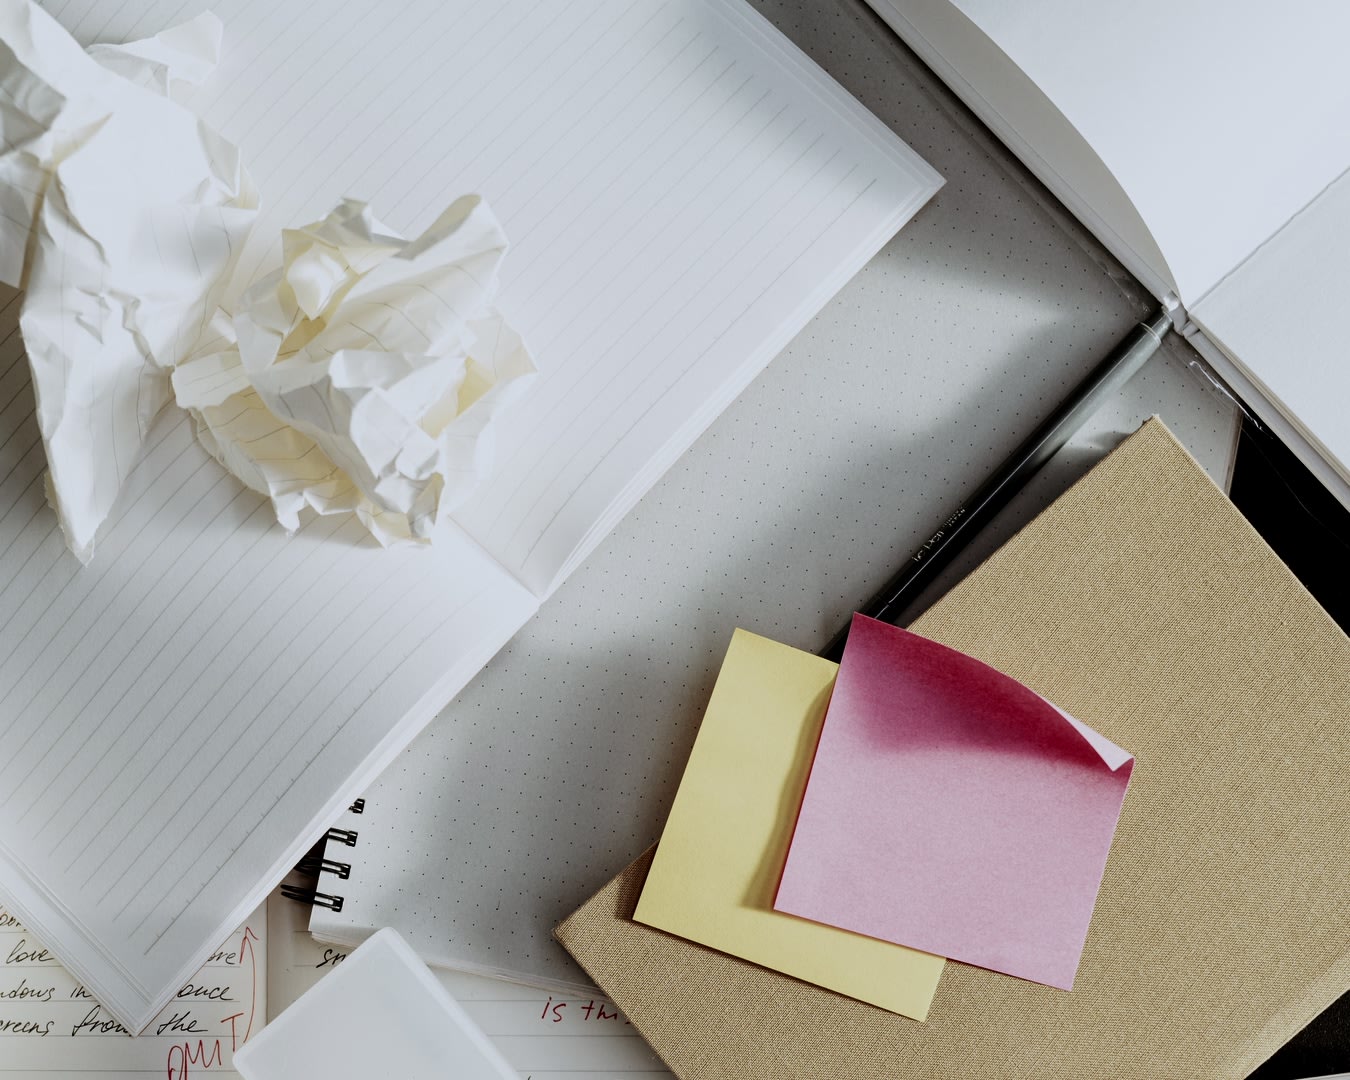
{"points": [[953, 810]]}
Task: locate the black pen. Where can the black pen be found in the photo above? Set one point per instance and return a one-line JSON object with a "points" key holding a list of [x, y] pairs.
{"points": [[1102, 381]]}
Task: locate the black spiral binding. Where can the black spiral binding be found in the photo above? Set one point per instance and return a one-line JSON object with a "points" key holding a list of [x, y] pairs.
{"points": [[312, 897], [316, 862], [313, 865]]}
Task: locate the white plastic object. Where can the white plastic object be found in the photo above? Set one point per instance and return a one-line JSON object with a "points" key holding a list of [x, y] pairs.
{"points": [[380, 1013]]}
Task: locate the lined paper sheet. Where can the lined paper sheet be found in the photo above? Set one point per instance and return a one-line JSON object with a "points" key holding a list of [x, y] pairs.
{"points": [[178, 716], [682, 190], [50, 1025], [544, 1036]]}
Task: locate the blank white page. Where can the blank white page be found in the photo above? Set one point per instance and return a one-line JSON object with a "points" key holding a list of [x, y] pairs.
{"points": [[1026, 121], [182, 717], [682, 188], [1280, 317], [1221, 120]]}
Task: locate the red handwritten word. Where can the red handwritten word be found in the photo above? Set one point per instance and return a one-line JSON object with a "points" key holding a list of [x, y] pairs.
{"points": [[555, 1009], [600, 1014], [592, 1010], [246, 949], [181, 1055], [210, 1054]]}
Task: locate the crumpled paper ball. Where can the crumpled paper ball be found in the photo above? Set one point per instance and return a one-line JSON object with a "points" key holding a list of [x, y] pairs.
{"points": [[121, 217], [362, 376]]}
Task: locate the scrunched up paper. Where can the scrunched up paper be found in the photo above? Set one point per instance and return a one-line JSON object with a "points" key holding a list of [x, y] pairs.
{"points": [[360, 377], [120, 217], [363, 374]]}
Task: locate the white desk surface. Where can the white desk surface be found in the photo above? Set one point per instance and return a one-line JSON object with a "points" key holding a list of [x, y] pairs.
{"points": [[799, 502]]}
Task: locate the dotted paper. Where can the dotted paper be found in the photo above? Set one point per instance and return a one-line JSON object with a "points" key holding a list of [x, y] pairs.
{"points": [[556, 767]]}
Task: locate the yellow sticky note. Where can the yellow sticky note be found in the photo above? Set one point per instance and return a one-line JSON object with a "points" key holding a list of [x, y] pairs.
{"points": [[717, 866]]}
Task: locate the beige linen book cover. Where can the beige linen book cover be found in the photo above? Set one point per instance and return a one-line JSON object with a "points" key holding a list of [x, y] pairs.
{"points": [[1144, 604]]}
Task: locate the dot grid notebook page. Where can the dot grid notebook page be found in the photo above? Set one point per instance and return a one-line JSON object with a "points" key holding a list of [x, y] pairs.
{"points": [[545, 777], [185, 715]]}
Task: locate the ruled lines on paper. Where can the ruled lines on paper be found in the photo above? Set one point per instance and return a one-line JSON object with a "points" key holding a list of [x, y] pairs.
{"points": [[205, 670], [682, 190], [671, 185], [544, 1036], [51, 1025]]}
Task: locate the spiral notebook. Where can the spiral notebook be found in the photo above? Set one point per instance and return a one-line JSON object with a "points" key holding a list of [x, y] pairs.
{"points": [[185, 716]]}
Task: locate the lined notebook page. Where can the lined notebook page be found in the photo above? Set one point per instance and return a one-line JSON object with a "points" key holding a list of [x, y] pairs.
{"points": [[683, 191], [544, 1036], [51, 1026], [180, 715]]}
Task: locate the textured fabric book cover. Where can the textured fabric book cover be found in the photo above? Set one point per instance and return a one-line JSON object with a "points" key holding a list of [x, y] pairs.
{"points": [[1142, 603]]}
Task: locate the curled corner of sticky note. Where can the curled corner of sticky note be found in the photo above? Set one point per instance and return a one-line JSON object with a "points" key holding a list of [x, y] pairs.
{"points": [[1113, 756]]}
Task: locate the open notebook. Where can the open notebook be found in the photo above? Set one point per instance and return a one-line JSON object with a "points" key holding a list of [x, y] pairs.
{"points": [[1203, 143], [185, 715]]}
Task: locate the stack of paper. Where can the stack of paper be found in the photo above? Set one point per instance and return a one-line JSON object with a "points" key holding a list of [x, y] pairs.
{"points": [[715, 884], [949, 809], [1143, 600]]}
